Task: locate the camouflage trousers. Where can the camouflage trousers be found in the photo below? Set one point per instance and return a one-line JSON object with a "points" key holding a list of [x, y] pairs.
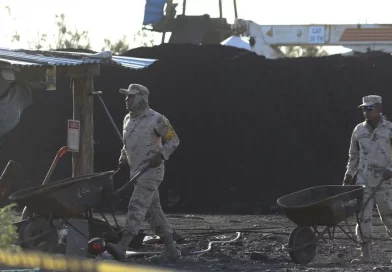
{"points": [[383, 200], [145, 204]]}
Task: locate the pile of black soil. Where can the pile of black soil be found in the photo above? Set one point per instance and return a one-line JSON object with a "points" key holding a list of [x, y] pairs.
{"points": [[251, 129]]}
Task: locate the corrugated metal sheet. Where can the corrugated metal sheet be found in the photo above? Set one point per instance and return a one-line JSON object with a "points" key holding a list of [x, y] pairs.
{"points": [[29, 58], [134, 63]]}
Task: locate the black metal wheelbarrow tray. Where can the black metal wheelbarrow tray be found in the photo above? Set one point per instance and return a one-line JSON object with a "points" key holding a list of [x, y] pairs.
{"points": [[51, 206], [66, 198], [321, 206]]}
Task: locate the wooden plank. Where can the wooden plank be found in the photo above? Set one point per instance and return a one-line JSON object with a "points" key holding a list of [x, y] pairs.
{"points": [[79, 71], [9, 67], [33, 74], [83, 161]]}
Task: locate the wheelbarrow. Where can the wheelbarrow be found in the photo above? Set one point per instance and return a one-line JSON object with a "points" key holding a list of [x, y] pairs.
{"points": [[52, 205], [321, 206]]}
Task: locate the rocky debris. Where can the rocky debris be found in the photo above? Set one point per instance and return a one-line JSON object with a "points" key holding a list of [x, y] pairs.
{"points": [[258, 256], [382, 268]]}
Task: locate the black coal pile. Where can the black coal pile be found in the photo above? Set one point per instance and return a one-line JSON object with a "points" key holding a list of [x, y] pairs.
{"points": [[251, 129]]}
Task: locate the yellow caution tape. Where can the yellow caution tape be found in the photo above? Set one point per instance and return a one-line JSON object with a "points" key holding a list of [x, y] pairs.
{"points": [[63, 263]]}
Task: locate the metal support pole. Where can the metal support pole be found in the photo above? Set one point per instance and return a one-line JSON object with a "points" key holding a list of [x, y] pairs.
{"points": [[235, 9], [183, 7], [108, 114], [221, 21]]}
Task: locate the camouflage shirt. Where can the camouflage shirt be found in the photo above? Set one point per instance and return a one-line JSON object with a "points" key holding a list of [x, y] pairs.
{"points": [[143, 137], [370, 153]]}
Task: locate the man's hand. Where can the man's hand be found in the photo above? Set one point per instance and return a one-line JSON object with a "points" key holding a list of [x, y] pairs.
{"points": [[348, 179], [387, 174], [156, 160]]}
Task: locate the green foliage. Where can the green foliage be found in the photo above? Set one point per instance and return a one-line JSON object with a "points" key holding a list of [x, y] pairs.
{"points": [[121, 46], [140, 38], [8, 10], [70, 39], [303, 51], [77, 39], [38, 42], [15, 37], [8, 233]]}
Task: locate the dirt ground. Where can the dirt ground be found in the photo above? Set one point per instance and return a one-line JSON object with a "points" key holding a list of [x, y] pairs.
{"points": [[265, 241]]}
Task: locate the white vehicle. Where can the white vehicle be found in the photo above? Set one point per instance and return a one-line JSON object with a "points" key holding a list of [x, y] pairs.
{"points": [[358, 38]]}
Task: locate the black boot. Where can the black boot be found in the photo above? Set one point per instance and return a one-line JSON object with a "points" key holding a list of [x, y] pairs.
{"points": [[119, 250], [170, 253], [365, 255]]}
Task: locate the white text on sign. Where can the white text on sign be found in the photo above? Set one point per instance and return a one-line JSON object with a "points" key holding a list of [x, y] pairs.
{"points": [[316, 34]]}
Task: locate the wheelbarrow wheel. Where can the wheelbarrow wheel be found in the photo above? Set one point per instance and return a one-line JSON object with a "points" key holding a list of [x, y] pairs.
{"points": [[35, 227], [299, 237]]}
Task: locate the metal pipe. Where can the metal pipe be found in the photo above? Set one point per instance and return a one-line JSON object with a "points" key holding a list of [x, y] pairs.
{"points": [[108, 114], [9, 175], [221, 21], [183, 7], [235, 9]]}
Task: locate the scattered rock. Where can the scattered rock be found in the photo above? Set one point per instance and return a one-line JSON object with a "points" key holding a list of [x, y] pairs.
{"points": [[194, 217], [258, 256], [382, 268], [185, 251], [237, 243], [337, 260], [270, 237]]}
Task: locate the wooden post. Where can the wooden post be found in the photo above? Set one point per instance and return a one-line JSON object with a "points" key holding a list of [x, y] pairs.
{"points": [[82, 161], [83, 85]]}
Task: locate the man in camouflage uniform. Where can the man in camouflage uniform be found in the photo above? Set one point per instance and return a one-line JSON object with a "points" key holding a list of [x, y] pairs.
{"points": [[370, 157], [143, 132]]}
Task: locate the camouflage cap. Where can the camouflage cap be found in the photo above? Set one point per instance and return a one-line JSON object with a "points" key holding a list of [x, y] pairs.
{"points": [[135, 89], [370, 100]]}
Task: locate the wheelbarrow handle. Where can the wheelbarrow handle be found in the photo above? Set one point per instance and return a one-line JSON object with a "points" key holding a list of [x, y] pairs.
{"points": [[132, 180], [62, 151]]}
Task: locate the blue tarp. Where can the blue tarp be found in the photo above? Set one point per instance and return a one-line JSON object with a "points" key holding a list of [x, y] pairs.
{"points": [[153, 12]]}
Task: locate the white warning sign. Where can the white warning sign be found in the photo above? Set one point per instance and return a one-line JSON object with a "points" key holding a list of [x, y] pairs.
{"points": [[73, 135]]}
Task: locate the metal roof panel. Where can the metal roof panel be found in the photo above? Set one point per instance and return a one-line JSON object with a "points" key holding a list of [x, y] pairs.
{"points": [[28, 58]]}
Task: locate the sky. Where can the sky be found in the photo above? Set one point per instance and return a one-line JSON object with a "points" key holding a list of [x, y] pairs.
{"points": [[116, 18]]}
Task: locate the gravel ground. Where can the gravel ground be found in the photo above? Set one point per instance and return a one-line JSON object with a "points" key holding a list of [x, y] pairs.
{"points": [[261, 249], [260, 245]]}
